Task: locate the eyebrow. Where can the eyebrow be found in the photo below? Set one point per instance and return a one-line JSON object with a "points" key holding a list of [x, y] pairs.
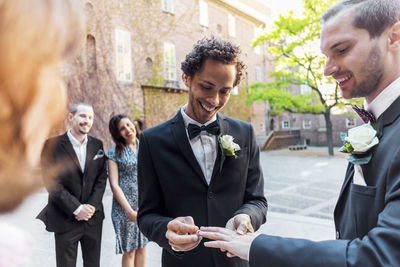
{"points": [[338, 44], [208, 82], [211, 84]]}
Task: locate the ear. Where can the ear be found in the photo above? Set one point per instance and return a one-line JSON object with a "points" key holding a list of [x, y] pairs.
{"points": [[187, 80], [70, 116], [394, 36]]}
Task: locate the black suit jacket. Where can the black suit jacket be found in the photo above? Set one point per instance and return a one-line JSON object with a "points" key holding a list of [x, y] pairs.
{"points": [[367, 218], [71, 187], [171, 184]]}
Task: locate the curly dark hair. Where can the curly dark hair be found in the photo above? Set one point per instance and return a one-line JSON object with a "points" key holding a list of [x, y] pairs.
{"points": [[216, 49]]}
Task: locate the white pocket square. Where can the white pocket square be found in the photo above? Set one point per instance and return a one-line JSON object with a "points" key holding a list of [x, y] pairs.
{"points": [[99, 154], [358, 177]]}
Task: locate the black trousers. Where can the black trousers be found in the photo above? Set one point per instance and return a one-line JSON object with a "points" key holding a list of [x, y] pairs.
{"points": [[67, 245]]}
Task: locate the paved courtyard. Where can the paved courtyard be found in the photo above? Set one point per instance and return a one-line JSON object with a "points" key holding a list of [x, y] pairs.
{"points": [[303, 182], [301, 188]]}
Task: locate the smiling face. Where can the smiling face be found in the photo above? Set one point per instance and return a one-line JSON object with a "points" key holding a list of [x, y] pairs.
{"points": [[354, 60], [81, 121], [127, 130], [209, 89]]}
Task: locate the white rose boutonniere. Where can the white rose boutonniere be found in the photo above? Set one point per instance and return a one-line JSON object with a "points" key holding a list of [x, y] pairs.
{"points": [[358, 142], [228, 147]]}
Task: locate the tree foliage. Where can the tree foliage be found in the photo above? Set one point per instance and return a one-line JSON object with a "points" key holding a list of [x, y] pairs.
{"points": [[294, 44]]}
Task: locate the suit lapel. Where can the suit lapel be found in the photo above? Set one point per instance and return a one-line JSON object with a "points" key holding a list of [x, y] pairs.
{"points": [[90, 152], [390, 115], [347, 180], [224, 128], [67, 146], [387, 118], [181, 139]]}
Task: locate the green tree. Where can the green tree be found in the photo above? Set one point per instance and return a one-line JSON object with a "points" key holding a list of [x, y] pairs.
{"points": [[294, 44]]}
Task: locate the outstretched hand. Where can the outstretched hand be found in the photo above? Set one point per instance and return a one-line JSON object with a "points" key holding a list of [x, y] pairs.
{"points": [[240, 223], [227, 240], [182, 234]]}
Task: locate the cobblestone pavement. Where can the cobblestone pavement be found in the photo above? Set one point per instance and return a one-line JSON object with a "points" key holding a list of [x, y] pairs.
{"points": [[303, 182], [301, 187]]}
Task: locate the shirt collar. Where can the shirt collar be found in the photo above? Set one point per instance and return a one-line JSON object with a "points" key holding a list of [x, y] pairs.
{"points": [[187, 119], [74, 141], [384, 99]]}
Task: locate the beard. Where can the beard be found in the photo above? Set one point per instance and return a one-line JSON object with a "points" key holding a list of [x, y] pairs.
{"points": [[83, 131], [373, 72]]}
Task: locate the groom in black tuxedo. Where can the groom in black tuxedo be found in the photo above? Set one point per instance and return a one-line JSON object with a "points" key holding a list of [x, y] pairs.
{"points": [[361, 40], [75, 211], [191, 173]]}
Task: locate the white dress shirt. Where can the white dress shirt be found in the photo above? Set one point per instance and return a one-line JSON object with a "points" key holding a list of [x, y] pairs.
{"points": [[80, 151], [204, 145], [377, 107], [384, 99]]}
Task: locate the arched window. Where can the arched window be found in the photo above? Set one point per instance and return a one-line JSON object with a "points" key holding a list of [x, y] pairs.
{"points": [[91, 54]]}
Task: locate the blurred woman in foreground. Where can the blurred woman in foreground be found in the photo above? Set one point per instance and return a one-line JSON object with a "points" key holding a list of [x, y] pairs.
{"points": [[35, 36]]}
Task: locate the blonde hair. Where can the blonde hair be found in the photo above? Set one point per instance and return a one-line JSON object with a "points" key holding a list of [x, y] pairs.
{"points": [[34, 38]]}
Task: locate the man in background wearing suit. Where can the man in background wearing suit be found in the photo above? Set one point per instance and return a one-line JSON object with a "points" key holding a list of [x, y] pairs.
{"points": [[361, 40], [187, 173], [75, 211]]}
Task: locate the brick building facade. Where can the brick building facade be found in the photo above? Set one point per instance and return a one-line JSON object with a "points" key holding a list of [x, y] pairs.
{"points": [[312, 126], [134, 45]]}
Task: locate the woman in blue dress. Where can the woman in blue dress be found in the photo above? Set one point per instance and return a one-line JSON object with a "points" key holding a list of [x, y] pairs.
{"points": [[122, 168]]}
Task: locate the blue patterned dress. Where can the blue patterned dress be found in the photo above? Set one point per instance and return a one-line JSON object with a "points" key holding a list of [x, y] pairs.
{"points": [[128, 236]]}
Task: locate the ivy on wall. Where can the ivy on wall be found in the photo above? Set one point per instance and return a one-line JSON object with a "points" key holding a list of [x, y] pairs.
{"points": [[161, 104], [237, 106]]}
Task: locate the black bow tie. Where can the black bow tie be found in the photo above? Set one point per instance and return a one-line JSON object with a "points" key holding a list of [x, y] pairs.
{"points": [[194, 130], [365, 115]]}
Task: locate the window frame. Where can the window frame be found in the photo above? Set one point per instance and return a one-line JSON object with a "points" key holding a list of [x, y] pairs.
{"points": [[169, 68], [167, 6], [235, 90], [258, 74], [351, 125], [283, 124], [123, 55], [203, 13], [304, 124], [231, 25]]}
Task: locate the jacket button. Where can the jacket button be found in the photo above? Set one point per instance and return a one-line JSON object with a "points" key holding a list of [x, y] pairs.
{"points": [[211, 195], [337, 235]]}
